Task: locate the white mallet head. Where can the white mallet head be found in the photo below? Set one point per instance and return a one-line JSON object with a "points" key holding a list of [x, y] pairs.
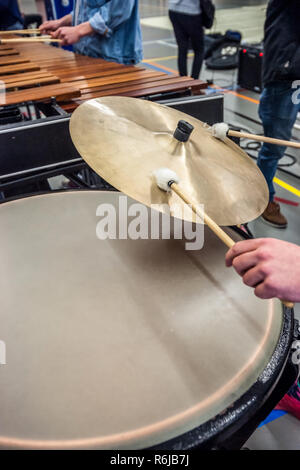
{"points": [[164, 177], [220, 130]]}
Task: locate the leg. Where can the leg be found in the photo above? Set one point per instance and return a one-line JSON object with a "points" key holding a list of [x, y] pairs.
{"points": [[182, 40], [14, 26], [278, 115], [197, 38]]}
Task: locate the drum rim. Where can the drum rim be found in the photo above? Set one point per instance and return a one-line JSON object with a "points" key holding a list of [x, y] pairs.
{"points": [[223, 421], [239, 413]]}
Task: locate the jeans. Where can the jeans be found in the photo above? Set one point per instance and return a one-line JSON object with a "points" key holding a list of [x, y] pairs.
{"points": [[17, 25], [278, 114], [188, 28]]}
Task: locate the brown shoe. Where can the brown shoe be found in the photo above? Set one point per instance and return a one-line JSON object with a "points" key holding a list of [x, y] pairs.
{"points": [[273, 216]]}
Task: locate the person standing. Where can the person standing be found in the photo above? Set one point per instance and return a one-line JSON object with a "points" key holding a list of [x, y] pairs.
{"points": [[10, 15], [186, 18], [109, 29], [278, 110]]}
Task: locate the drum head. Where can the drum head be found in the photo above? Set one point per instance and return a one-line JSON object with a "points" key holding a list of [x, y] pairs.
{"points": [[118, 343]]}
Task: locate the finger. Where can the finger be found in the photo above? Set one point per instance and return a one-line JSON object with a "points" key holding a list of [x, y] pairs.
{"points": [[64, 39], [242, 247], [253, 277], [56, 34], [47, 25], [265, 290], [244, 262]]}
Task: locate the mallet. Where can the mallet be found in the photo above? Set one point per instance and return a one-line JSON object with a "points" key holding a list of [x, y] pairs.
{"points": [[30, 40], [22, 31], [167, 180], [222, 130]]}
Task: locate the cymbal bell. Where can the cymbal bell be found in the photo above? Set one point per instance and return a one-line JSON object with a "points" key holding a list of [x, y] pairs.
{"points": [[125, 139]]}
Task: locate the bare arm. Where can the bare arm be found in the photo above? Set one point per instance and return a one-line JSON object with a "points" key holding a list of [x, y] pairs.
{"points": [[53, 25], [271, 267], [72, 34]]}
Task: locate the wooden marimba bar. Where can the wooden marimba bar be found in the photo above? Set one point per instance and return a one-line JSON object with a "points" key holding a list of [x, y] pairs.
{"points": [[38, 72]]}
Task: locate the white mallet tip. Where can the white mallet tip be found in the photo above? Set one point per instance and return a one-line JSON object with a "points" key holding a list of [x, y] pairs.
{"points": [[220, 130], [163, 177]]}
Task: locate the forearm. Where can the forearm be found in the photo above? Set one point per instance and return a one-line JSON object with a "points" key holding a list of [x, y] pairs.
{"points": [[66, 20], [72, 34], [85, 29]]}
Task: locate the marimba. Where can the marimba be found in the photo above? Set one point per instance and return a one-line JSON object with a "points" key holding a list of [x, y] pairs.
{"points": [[37, 72], [31, 75]]}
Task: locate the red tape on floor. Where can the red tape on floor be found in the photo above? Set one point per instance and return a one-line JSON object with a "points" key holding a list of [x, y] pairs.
{"points": [[287, 201]]}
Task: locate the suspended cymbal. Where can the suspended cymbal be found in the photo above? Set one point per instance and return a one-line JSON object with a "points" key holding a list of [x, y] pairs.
{"points": [[125, 139]]}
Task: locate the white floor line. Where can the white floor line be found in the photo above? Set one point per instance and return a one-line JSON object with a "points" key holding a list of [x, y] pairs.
{"points": [[153, 41], [165, 43]]}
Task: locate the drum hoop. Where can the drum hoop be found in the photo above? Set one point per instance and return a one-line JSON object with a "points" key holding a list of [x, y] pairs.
{"points": [[237, 415], [238, 412], [19, 197]]}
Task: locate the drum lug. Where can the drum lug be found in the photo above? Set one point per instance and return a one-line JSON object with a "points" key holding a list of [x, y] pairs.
{"points": [[296, 353], [296, 329]]}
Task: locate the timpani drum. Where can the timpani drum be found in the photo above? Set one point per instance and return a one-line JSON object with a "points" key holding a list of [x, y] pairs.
{"points": [[125, 344]]}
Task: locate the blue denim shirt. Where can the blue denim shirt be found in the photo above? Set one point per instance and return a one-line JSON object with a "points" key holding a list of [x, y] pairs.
{"points": [[123, 41]]}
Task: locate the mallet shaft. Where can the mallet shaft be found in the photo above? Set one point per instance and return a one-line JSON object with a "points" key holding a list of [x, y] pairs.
{"points": [[261, 138], [22, 31], [226, 239], [211, 223], [30, 40]]}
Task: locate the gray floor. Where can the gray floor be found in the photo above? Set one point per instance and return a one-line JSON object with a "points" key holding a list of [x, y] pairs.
{"points": [[160, 49]]}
